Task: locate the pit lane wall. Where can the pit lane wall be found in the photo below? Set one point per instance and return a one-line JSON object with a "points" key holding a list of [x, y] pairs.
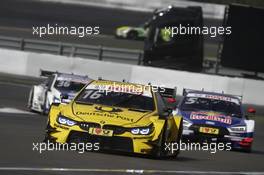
{"points": [[213, 11], [29, 64]]}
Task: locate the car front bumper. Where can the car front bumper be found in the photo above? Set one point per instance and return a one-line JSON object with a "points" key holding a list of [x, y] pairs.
{"points": [[141, 145], [237, 141]]}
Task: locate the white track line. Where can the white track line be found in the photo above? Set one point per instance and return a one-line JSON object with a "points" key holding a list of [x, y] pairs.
{"points": [[15, 84], [14, 111], [126, 171]]}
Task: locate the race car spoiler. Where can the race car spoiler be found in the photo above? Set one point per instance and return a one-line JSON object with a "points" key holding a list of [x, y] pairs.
{"points": [[186, 91], [46, 73], [168, 92]]}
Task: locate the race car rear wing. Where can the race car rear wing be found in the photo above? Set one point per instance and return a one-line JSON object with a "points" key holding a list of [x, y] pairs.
{"points": [[169, 97], [240, 97], [168, 92], [186, 91], [46, 73]]}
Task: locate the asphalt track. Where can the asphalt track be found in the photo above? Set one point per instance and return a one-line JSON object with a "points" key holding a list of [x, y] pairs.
{"points": [[20, 130]]}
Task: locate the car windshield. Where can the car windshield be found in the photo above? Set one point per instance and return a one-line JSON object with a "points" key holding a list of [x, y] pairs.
{"points": [[205, 104], [116, 99], [67, 85]]}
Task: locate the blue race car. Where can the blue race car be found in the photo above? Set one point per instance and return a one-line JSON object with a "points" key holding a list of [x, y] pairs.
{"points": [[215, 117]]}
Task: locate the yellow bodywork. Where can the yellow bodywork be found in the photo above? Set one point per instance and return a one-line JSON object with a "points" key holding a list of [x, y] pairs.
{"points": [[143, 144]]}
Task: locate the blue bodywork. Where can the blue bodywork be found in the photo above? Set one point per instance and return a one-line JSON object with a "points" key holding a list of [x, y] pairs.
{"points": [[221, 121]]}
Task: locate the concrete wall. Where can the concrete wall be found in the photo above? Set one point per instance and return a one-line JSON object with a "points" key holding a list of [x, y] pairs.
{"points": [[29, 64]]}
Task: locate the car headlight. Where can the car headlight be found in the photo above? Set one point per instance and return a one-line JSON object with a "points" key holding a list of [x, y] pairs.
{"points": [[238, 128], [66, 121], [141, 131]]}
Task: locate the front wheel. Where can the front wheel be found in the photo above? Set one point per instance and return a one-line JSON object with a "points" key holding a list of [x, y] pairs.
{"points": [[178, 141], [247, 150], [161, 152], [165, 149], [30, 99], [47, 137]]}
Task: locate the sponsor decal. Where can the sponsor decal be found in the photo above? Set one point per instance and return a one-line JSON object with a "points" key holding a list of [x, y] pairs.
{"points": [[217, 97], [103, 114], [214, 97], [108, 109], [212, 117], [101, 132]]}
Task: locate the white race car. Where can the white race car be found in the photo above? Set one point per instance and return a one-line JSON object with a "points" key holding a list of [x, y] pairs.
{"points": [[54, 86]]}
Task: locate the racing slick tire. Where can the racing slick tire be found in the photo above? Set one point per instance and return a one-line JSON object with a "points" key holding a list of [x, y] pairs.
{"points": [[117, 36], [247, 150], [30, 99], [161, 152], [178, 141], [132, 35], [45, 111], [47, 137]]}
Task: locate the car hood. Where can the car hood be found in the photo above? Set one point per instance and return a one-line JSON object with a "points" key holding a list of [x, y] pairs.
{"points": [[110, 115], [211, 118], [123, 28]]}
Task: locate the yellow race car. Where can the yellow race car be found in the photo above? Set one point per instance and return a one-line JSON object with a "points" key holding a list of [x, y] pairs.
{"points": [[119, 116]]}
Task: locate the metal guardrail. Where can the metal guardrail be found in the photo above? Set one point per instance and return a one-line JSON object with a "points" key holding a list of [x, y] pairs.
{"points": [[73, 50], [104, 53]]}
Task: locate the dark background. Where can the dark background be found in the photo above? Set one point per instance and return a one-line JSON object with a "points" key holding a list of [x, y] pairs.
{"points": [[244, 47]]}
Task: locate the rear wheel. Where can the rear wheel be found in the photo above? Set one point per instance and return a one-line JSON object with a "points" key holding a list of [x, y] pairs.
{"points": [[47, 137], [132, 35], [247, 150], [45, 110]]}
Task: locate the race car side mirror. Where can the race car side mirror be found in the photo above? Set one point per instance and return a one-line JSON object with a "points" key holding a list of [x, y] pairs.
{"points": [[171, 100], [64, 96], [171, 103], [251, 110]]}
